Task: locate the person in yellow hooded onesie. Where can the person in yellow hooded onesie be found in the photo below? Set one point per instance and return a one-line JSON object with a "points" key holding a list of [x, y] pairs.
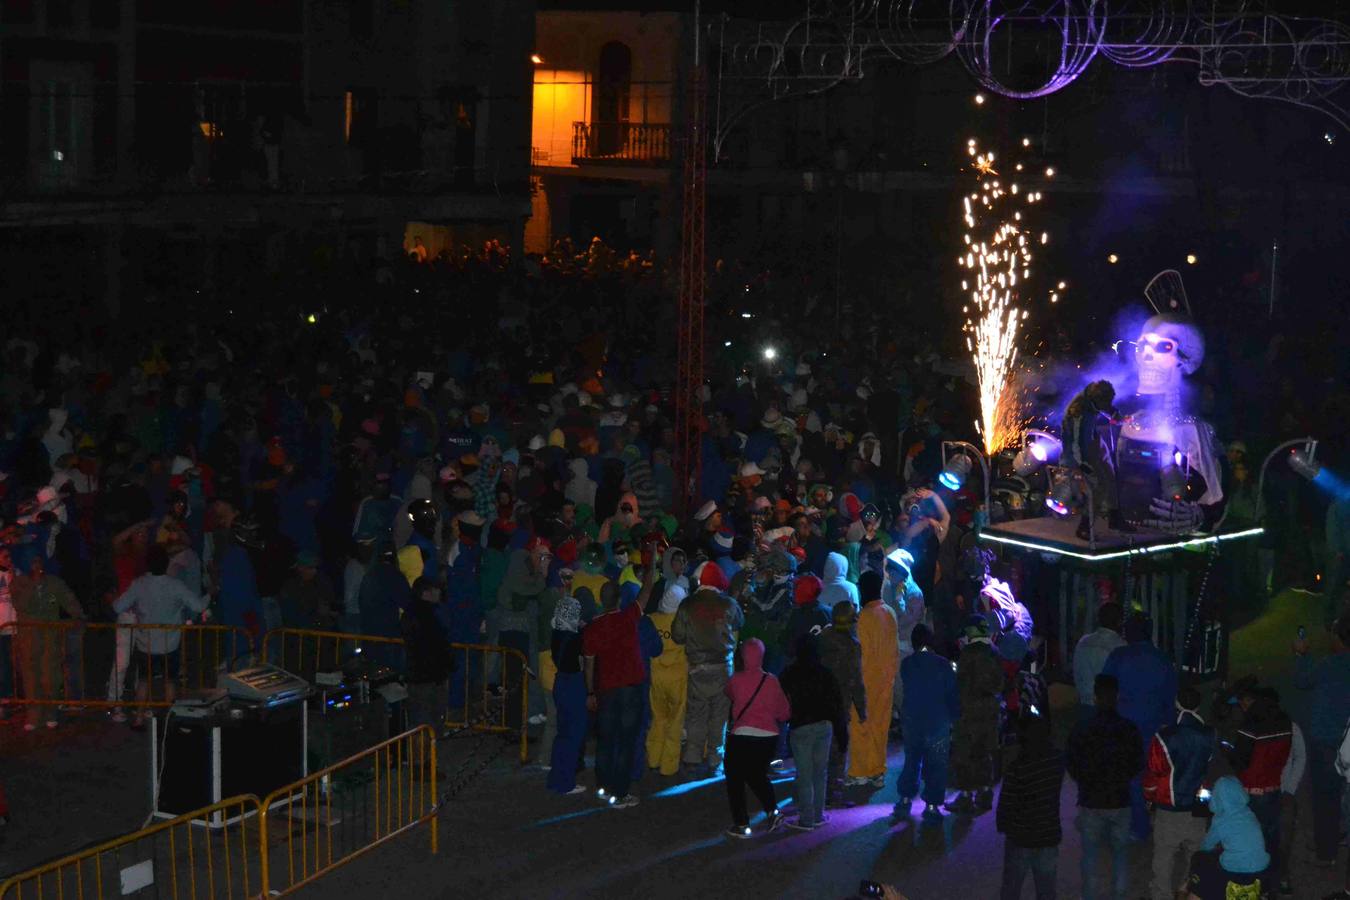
{"points": [[877, 632], [670, 685]]}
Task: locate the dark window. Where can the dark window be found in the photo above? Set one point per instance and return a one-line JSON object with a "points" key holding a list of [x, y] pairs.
{"points": [[17, 12], [361, 18], [60, 13], [613, 78], [105, 13]]}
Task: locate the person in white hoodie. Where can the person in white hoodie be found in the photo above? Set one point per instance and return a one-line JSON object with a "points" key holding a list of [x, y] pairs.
{"points": [[58, 439], [581, 488], [1290, 779], [837, 586]]}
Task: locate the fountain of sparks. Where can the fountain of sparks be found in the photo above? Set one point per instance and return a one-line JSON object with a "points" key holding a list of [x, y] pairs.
{"points": [[997, 257]]}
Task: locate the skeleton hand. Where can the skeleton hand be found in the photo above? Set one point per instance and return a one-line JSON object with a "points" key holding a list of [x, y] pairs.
{"points": [[1173, 516]]}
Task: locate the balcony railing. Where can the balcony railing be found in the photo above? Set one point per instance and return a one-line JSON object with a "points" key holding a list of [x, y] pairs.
{"points": [[629, 143]]}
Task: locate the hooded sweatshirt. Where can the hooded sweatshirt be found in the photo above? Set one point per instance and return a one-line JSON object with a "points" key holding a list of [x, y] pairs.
{"points": [[707, 624], [837, 586], [1235, 828], [756, 714], [581, 489]]}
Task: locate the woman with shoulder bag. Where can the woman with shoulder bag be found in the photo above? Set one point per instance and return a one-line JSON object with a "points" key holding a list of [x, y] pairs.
{"points": [[758, 709]]}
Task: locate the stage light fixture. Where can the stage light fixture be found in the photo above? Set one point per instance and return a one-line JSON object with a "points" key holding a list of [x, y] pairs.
{"points": [[979, 99], [1304, 464], [770, 354], [1061, 497], [536, 59], [955, 473], [1113, 259], [1173, 478], [1190, 259]]}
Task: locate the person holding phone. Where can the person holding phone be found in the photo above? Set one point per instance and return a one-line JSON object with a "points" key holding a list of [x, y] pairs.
{"points": [[1178, 758]]}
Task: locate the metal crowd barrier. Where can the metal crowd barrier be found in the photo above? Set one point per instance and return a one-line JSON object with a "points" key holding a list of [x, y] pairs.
{"points": [[98, 664], [471, 703], [170, 859], [337, 814]]}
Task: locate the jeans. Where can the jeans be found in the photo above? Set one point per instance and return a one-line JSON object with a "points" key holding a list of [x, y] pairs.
{"points": [[1267, 810], [569, 703], [6, 666], [1288, 822], [550, 727], [426, 705], [619, 722], [1043, 862], [811, 750], [513, 674], [1174, 832], [926, 752], [1105, 829], [747, 764], [1327, 785]]}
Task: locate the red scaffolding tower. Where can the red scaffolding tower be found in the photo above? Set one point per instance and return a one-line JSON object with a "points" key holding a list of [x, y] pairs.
{"points": [[689, 327]]}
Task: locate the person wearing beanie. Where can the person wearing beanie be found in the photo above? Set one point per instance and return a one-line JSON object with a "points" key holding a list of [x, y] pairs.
{"points": [[880, 661], [1178, 760], [841, 653], [706, 624], [979, 678], [932, 704], [670, 684], [1148, 691], [809, 615]]}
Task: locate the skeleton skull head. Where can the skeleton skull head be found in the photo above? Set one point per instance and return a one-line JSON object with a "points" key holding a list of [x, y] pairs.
{"points": [[1169, 346]]}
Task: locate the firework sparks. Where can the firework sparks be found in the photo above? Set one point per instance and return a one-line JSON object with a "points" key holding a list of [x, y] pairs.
{"points": [[996, 257]]}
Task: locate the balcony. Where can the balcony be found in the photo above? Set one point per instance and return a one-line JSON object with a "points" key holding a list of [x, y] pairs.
{"points": [[624, 143]]}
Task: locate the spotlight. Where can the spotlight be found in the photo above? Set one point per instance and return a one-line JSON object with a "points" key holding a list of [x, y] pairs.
{"points": [[1062, 495], [1329, 137], [1038, 448], [311, 318], [536, 59], [955, 473], [1050, 173], [979, 99], [1304, 464], [1190, 259], [770, 354], [747, 315], [727, 344], [1026, 142], [1113, 259]]}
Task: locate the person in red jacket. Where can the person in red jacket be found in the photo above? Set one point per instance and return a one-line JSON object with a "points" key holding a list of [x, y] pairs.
{"points": [[758, 709], [1262, 747]]}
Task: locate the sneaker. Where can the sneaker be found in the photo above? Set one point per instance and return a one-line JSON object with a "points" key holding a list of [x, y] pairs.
{"points": [[932, 813], [579, 789], [823, 820], [855, 781], [51, 723], [878, 781], [119, 716], [628, 802], [962, 805], [538, 719], [739, 832], [602, 795], [775, 819], [902, 808], [798, 825]]}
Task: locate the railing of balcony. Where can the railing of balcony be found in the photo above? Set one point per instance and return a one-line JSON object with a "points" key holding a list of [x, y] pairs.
{"points": [[620, 142]]}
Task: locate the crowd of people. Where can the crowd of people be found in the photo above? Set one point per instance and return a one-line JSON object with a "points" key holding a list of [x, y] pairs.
{"points": [[471, 451]]}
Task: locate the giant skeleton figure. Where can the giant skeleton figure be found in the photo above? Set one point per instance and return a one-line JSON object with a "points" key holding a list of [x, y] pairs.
{"points": [[1161, 436]]}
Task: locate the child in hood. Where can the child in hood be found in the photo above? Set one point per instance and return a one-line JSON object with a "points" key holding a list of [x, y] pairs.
{"points": [[1243, 862]]}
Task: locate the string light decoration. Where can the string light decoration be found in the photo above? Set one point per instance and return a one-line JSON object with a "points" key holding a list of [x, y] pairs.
{"points": [[996, 257]]}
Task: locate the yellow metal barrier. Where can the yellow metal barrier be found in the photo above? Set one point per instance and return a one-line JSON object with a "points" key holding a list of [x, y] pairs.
{"points": [[344, 811], [93, 664], [306, 652], [170, 859]]}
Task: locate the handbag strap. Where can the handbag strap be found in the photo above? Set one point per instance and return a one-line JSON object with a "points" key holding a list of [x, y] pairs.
{"points": [[736, 718]]}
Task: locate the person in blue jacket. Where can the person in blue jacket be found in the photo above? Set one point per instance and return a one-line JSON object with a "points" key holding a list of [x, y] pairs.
{"points": [[1242, 861], [931, 705], [461, 613], [1148, 694]]}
